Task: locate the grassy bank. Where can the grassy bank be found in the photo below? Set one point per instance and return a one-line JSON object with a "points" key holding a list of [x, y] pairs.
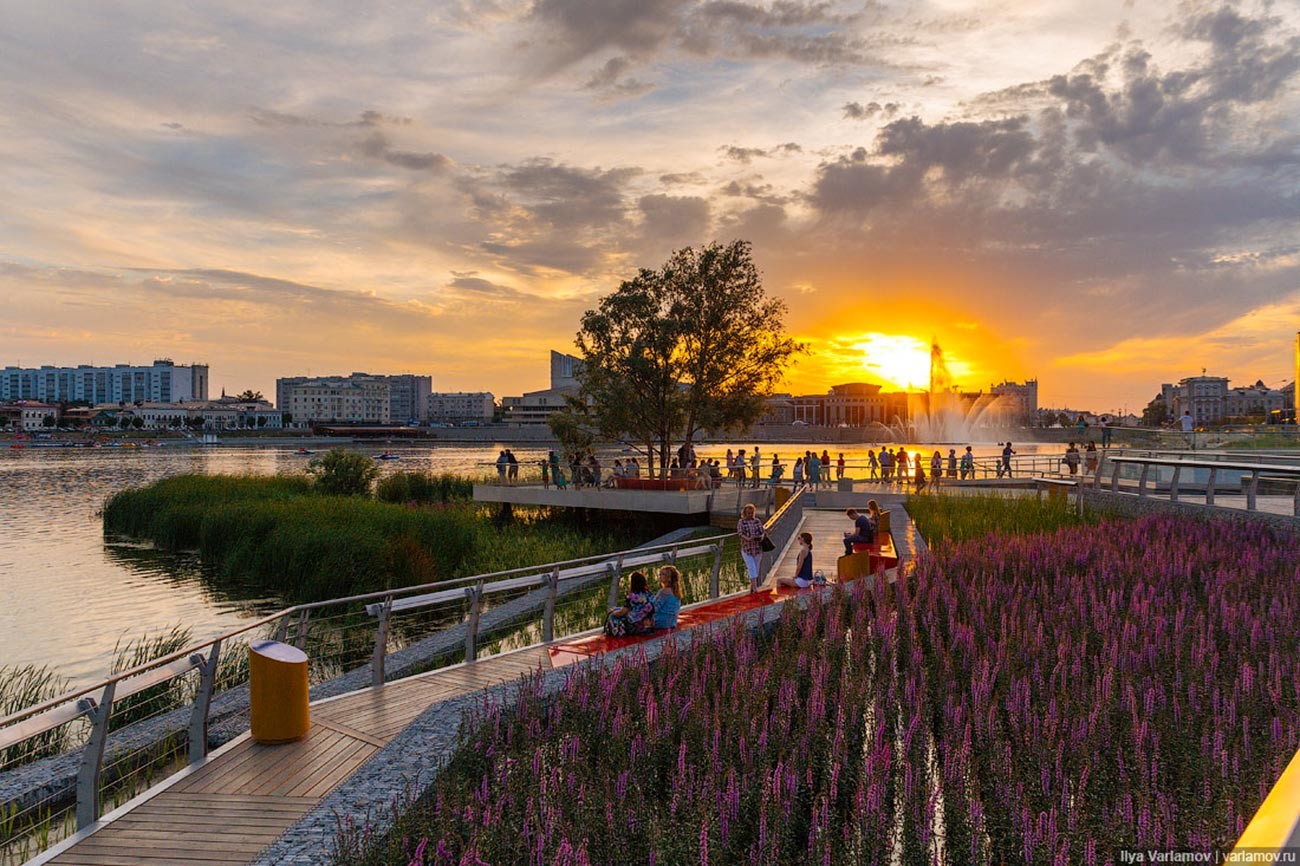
{"points": [[275, 534]]}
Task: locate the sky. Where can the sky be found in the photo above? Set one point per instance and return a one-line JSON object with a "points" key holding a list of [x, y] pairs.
{"points": [[1103, 196]]}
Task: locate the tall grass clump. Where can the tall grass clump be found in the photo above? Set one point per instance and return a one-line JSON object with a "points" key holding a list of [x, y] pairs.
{"points": [[23, 686], [1052, 698], [170, 512], [943, 519], [141, 650], [280, 535], [424, 489]]}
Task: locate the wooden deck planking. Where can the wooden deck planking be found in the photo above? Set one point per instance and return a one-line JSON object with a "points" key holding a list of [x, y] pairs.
{"points": [[231, 808]]}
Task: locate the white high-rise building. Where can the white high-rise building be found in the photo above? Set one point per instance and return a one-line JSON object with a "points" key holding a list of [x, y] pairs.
{"points": [[161, 382]]}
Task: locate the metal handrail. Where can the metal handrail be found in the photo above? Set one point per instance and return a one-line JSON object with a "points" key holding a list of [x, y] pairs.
{"points": [[316, 605]]}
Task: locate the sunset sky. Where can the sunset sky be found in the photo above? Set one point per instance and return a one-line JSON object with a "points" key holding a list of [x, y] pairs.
{"points": [[1104, 195]]}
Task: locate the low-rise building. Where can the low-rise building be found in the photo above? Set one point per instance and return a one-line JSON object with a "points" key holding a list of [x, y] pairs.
{"points": [[355, 398], [337, 401], [458, 406], [28, 415]]}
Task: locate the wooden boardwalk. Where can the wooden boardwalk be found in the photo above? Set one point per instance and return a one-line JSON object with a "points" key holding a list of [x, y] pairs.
{"points": [[226, 810], [238, 802]]}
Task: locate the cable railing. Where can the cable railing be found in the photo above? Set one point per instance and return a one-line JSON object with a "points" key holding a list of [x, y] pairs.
{"points": [[66, 761]]}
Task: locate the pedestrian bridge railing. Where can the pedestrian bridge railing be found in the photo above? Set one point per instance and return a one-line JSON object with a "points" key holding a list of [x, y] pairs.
{"points": [[1178, 476], [64, 761]]}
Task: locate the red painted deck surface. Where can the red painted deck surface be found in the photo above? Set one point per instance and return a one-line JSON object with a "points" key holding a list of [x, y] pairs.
{"points": [[570, 651]]}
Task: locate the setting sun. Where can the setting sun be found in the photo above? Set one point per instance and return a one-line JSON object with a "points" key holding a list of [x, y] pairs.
{"points": [[903, 361]]}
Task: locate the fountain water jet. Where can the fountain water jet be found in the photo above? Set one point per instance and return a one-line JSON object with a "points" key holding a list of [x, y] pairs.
{"points": [[944, 415]]}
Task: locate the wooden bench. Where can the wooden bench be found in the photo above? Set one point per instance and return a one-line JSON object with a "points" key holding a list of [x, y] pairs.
{"points": [[869, 559]]}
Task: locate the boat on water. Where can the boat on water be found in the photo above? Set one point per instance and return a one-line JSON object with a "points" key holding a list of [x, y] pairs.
{"points": [[387, 456], [304, 452]]}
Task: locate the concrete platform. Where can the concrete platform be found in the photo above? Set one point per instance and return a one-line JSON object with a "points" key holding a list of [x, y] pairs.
{"points": [[726, 500]]}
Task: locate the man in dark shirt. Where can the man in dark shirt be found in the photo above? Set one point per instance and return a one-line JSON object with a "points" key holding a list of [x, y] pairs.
{"points": [[863, 532]]}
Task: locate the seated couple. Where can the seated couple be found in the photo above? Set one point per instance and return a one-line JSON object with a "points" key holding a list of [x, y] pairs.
{"points": [[641, 614], [865, 526]]}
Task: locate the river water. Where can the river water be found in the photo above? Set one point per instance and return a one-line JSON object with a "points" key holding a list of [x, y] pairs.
{"points": [[68, 594]]}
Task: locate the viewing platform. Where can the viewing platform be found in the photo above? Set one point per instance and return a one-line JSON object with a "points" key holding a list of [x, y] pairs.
{"points": [[723, 501]]}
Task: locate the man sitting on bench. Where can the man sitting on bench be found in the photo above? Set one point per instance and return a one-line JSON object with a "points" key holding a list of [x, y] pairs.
{"points": [[864, 531]]}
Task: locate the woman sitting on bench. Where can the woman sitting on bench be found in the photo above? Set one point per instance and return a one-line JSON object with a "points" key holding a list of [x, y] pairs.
{"points": [[636, 616], [668, 600]]}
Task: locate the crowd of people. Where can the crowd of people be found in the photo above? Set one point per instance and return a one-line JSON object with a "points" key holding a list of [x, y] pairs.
{"points": [[749, 467]]}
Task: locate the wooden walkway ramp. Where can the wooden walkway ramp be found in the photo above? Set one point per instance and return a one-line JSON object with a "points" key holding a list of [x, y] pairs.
{"points": [[245, 795], [226, 810]]}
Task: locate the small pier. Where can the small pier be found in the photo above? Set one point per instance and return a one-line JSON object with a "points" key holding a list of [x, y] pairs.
{"points": [[722, 502]]}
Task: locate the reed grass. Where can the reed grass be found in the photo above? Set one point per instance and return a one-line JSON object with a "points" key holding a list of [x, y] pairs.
{"points": [[275, 534], [145, 704], [424, 489], [946, 520], [22, 686]]}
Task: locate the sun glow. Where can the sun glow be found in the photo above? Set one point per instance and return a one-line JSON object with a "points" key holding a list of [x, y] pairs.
{"points": [[902, 361]]}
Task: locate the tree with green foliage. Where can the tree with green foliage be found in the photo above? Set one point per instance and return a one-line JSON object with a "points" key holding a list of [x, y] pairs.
{"points": [[572, 428], [249, 396], [694, 345], [339, 472]]}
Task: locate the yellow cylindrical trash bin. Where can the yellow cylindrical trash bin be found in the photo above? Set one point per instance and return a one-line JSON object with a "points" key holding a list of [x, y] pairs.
{"points": [[782, 494], [277, 692]]}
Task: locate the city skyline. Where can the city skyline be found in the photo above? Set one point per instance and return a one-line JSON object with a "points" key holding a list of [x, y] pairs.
{"points": [[1102, 199]]}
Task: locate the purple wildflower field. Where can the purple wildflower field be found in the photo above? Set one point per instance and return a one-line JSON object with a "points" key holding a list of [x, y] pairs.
{"points": [[1041, 699]]}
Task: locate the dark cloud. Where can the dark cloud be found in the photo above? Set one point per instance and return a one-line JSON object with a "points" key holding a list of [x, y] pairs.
{"points": [[858, 111], [746, 155], [688, 177], [564, 196], [377, 146], [574, 30], [754, 189], [609, 80], [1123, 102], [672, 221]]}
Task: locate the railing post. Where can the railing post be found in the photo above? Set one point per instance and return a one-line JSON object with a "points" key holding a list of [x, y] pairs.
{"points": [[381, 644], [715, 588], [548, 617], [1173, 484], [1142, 480], [1209, 488], [616, 576], [475, 596], [1251, 487], [202, 701], [1295, 501], [1114, 478], [282, 630], [92, 757], [300, 634]]}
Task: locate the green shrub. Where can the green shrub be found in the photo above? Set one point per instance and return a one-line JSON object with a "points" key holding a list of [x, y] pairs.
{"points": [[424, 489], [343, 473]]}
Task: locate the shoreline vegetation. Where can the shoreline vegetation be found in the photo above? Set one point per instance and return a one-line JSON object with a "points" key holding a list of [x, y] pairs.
{"points": [[278, 534], [1048, 693]]}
